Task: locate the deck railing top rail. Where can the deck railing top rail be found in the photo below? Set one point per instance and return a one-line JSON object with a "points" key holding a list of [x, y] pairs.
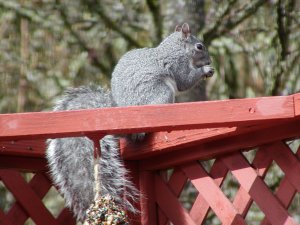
{"points": [[213, 126], [150, 118]]}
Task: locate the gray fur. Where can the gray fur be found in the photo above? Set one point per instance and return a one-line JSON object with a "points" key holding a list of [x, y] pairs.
{"points": [[71, 159], [154, 75], [142, 76]]}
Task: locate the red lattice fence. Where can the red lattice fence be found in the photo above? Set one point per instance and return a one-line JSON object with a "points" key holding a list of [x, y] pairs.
{"points": [[29, 200], [210, 196], [171, 169]]}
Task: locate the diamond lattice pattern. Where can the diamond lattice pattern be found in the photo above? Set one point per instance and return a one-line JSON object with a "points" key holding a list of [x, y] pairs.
{"points": [[28, 208], [255, 197]]}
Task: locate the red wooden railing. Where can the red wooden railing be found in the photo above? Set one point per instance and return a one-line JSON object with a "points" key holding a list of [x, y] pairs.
{"points": [[171, 160]]}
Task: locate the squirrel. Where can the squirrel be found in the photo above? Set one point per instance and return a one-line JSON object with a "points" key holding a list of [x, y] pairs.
{"points": [[154, 75], [70, 160], [142, 76]]}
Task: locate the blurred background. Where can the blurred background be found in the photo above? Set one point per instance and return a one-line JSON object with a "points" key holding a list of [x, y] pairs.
{"points": [[47, 46]]}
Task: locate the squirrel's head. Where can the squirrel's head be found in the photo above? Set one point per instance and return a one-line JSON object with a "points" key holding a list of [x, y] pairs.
{"points": [[194, 48]]}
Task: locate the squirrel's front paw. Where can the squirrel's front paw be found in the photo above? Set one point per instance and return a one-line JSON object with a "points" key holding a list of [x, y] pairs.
{"points": [[208, 70]]}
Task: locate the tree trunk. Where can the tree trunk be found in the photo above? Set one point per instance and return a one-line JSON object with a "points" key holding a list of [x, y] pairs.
{"points": [[21, 101]]}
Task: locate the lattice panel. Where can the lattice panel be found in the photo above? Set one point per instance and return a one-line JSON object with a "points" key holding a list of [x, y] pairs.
{"points": [[29, 205], [252, 191]]}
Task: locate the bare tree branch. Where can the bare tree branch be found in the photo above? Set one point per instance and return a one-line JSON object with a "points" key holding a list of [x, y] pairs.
{"points": [[30, 15], [81, 42], [154, 7], [283, 33], [223, 26], [250, 51], [195, 13], [97, 7], [214, 27], [24, 52], [294, 63], [27, 13]]}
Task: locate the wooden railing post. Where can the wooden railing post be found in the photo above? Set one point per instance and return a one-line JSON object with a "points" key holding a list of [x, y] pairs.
{"points": [[147, 201]]}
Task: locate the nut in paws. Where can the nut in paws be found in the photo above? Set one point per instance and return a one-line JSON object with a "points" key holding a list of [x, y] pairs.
{"points": [[208, 70]]}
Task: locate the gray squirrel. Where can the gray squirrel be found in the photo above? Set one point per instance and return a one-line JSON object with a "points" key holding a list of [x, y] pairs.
{"points": [[142, 76], [154, 75], [70, 160]]}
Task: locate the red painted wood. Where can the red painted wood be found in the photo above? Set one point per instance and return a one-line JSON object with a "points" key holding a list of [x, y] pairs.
{"points": [[170, 141], [148, 207], [212, 194], [181, 140], [4, 220], [200, 207], [252, 183], [23, 163], [27, 198], [176, 185], [285, 192], [153, 144], [169, 204], [297, 104], [134, 173], [66, 217], [40, 185], [225, 145], [287, 162], [262, 161], [33, 148], [177, 181], [144, 118], [279, 116], [23, 155], [19, 162]]}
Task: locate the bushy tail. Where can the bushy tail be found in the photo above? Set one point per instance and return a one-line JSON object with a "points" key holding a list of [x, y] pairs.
{"points": [[71, 160]]}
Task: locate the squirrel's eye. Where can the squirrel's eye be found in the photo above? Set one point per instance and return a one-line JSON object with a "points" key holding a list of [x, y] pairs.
{"points": [[199, 46]]}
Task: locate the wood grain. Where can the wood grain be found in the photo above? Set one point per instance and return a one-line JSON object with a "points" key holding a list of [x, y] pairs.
{"points": [[30, 148], [297, 104], [150, 118], [257, 189], [212, 194], [170, 205], [27, 198], [213, 148]]}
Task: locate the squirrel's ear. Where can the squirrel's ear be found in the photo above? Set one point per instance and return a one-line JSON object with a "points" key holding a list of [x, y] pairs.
{"points": [[177, 28], [186, 32]]}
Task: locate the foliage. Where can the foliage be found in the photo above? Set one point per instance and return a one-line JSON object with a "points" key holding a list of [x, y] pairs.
{"points": [[254, 45], [49, 45]]}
